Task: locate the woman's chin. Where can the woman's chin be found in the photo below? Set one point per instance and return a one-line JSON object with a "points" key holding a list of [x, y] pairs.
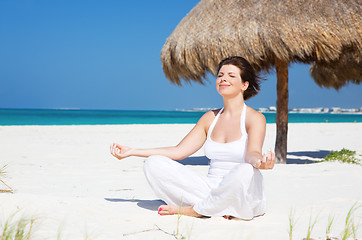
{"points": [[228, 94]]}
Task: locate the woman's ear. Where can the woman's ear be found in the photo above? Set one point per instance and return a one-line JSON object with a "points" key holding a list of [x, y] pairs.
{"points": [[244, 86]]}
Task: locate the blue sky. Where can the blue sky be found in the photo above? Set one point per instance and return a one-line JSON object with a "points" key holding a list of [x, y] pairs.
{"points": [[92, 54]]}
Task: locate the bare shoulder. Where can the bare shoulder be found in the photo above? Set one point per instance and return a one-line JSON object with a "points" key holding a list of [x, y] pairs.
{"points": [[254, 118], [206, 119], [209, 116]]}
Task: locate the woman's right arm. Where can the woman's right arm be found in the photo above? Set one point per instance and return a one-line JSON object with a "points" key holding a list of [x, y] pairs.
{"points": [[192, 142]]}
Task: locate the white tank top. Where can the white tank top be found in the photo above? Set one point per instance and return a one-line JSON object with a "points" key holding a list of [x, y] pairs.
{"points": [[224, 156]]}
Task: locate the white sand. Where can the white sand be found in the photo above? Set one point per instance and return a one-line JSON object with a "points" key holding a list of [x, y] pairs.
{"points": [[66, 178]]}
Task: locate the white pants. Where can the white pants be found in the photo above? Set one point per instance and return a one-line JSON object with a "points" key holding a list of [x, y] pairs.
{"points": [[239, 193]]}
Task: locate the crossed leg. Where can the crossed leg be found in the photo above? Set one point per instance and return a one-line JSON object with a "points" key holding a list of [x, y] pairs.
{"points": [[175, 184]]}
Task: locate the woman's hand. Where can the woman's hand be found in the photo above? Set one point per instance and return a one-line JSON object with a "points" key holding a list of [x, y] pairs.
{"points": [[119, 151], [267, 161]]}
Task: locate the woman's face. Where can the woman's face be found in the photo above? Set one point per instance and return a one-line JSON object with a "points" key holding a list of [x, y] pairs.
{"points": [[229, 82]]}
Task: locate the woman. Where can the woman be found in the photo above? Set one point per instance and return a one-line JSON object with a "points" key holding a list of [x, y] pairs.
{"points": [[232, 137]]}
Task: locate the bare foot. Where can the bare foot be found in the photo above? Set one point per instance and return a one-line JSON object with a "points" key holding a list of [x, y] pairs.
{"points": [[173, 210]]}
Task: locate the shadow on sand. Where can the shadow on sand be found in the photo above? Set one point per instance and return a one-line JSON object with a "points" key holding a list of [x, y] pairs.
{"points": [[195, 161], [306, 157], [146, 204]]}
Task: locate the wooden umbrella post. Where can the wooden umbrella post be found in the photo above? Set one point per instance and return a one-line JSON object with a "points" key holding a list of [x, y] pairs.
{"points": [[282, 111]]}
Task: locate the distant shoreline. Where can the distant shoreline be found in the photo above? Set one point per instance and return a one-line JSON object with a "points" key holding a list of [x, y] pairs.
{"points": [[123, 117], [270, 109]]}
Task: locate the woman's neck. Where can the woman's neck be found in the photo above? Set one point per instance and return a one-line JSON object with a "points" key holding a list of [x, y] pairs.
{"points": [[233, 105]]}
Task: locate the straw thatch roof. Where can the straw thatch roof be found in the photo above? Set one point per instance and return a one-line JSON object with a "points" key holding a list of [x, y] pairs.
{"points": [[326, 33]]}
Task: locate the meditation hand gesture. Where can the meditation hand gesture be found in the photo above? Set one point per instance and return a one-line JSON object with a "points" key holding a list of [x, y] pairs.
{"points": [[267, 161], [119, 151]]}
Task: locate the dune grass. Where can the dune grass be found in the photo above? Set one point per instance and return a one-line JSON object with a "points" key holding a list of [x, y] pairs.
{"points": [[349, 231], [311, 225], [350, 226], [344, 155], [3, 170], [179, 215], [20, 229], [292, 223], [23, 228], [329, 227]]}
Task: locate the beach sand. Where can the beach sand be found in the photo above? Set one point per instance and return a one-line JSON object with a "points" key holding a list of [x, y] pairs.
{"points": [[65, 177]]}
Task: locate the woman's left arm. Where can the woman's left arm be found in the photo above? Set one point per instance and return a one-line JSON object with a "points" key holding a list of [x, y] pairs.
{"points": [[256, 127]]}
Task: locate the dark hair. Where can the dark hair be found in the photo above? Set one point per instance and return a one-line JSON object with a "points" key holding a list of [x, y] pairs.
{"points": [[247, 74]]}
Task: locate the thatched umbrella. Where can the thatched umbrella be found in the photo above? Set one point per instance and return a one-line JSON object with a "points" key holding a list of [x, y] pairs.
{"points": [[269, 34]]}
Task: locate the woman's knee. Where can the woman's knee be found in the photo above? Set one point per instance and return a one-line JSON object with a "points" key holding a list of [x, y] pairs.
{"points": [[243, 170], [244, 167], [154, 162]]}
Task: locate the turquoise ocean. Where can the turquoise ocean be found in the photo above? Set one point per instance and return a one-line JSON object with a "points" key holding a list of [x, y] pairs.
{"points": [[102, 117]]}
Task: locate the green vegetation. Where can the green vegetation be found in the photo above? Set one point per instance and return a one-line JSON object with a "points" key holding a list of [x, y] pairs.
{"points": [[349, 231], [21, 229], [2, 170], [350, 227], [329, 227], [179, 215], [344, 155], [292, 223], [310, 227]]}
